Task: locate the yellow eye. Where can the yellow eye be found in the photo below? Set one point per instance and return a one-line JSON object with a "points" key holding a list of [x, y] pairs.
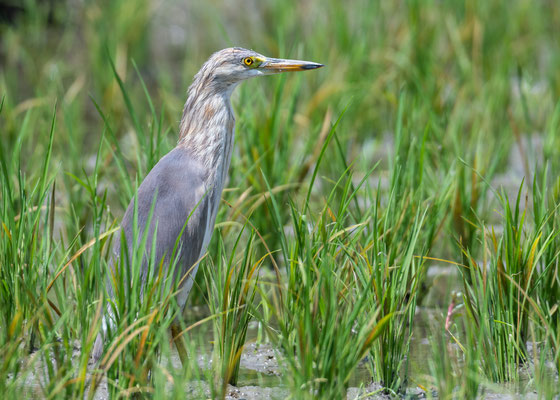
{"points": [[248, 61]]}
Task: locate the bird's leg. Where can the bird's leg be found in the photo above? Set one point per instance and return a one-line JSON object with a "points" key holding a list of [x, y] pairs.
{"points": [[179, 344]]}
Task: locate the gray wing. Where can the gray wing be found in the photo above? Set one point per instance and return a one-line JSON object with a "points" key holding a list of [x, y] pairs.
{"points": [[177, 183]]}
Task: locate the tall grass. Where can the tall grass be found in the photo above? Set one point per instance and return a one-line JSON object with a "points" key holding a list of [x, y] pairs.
{"points": [[449, 102], [501, 298], [546, 215], [326, 320], [231, 290]]}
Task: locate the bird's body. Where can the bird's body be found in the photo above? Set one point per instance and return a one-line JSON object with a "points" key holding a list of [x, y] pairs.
{"points": [[177, 170], [184, 188]]}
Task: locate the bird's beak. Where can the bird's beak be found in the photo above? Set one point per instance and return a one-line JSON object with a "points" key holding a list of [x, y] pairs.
{"points": [[276, 65]]}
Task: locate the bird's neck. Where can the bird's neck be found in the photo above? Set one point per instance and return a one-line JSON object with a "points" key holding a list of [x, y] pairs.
{"points": [[206, 130]]}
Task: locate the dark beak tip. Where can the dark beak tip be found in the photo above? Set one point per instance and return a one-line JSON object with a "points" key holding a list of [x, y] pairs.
{"points": [[312, 66]]}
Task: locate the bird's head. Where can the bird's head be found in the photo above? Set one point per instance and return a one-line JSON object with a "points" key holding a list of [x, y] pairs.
{"points": [[233, 65], [223, 71]]}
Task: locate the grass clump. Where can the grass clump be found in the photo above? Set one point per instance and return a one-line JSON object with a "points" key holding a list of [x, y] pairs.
{"points": [[232, 287], [506, 287], [326, 322]]}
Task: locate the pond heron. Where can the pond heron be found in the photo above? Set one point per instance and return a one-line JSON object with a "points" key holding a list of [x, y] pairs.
{"points": [[183, 190]]}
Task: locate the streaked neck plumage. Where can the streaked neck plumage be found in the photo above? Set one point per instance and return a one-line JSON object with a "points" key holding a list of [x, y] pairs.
{"points": [[207, 126]]}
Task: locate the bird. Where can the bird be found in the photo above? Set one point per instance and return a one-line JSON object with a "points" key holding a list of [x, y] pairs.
{"points": [[183, 190]]}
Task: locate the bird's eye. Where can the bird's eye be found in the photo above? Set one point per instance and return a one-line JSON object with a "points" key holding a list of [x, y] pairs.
{"points": [[248, 61]]}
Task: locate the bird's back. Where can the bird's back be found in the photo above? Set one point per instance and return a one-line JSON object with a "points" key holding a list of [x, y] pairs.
{"points": [[177, 190]]}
